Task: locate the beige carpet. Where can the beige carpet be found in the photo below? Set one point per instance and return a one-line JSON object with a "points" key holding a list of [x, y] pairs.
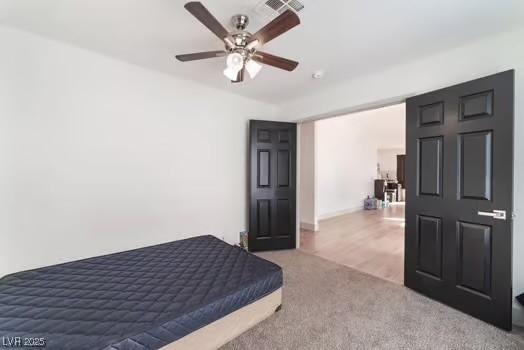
{"points": [[330, 306]]}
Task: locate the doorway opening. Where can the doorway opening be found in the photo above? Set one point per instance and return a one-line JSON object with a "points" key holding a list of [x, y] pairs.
{"points": [[352, 194]]}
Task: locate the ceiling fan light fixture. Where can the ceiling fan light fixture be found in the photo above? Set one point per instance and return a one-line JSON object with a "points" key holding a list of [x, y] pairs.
{"points": [[253, 68], [235, 61], [231, 73]]}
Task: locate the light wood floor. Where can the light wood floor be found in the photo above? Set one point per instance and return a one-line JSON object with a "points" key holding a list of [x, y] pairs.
{"points": [[371, 241]]}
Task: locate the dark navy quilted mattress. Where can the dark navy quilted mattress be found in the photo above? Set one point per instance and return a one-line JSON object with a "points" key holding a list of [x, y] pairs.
{"points": [[139, 299]]}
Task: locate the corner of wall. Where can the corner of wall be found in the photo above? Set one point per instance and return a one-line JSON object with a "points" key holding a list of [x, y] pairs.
{"points": [[309, 226]]}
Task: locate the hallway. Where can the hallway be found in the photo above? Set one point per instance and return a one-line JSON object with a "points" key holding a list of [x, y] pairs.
{"points": [[369, 241]]}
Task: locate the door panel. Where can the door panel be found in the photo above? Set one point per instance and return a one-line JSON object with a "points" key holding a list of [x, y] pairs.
{"points": [[459, 168], [429, 236], [264, 166], [431, 114], [283, 168], [430, 166], [474, 257], [272, 217], [264, 217], [475, 165], [283, 218], [476, 105]]}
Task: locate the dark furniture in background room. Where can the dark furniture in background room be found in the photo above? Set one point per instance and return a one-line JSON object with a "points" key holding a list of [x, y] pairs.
{"points": [[393, 188], [380, 189], [383, 187], [401, 164]]}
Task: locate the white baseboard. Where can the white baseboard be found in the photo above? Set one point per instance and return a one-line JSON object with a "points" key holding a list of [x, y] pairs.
{"points": [[340, 212], [309, 226]]}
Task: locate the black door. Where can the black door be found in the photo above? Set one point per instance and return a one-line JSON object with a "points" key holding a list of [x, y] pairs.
{"points": [[272, 209], [459, 176]]}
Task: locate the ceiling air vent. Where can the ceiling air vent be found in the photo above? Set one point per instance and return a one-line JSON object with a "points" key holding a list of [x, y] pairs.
{"points": [[275, 4], [295, 5], [270, 9]]}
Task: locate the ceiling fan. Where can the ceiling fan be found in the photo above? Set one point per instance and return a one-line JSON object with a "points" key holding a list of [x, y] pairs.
{"points": [[241, 47]]}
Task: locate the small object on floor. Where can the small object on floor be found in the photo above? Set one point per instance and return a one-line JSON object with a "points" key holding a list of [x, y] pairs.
{"points": [[370, 203], [520, 299], [243, 240]]}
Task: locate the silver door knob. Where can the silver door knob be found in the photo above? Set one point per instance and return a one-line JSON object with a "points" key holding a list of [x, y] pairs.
{"points": [[495, 214]]}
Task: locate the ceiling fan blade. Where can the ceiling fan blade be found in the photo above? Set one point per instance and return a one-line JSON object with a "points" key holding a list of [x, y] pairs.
{"points": [[275, 61], [200, 55], [276, 27], [206, 18], [240, 77]]}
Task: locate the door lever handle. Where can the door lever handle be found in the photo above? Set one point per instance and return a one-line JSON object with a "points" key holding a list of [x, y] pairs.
{"points": [[496, 214]]}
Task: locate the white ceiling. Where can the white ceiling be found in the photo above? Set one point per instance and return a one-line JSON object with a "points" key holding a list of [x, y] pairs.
{"points": [[344, 37]]}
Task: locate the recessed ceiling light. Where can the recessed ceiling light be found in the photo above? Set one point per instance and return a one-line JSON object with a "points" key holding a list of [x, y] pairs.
{"points": [[319, 74]]}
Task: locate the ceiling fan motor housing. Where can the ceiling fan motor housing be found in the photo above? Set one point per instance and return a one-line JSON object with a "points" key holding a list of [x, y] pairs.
{"points": [[240, 36], [240, 22]]}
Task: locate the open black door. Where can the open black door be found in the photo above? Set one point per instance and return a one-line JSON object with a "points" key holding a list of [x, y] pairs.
{"points": [[459, 182], [272, 208]]}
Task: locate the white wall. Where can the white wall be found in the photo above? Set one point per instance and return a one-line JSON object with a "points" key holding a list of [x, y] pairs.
{"points": [[484, 57], [99, 156], [308, 186], [387, 159], [347, 156]]}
